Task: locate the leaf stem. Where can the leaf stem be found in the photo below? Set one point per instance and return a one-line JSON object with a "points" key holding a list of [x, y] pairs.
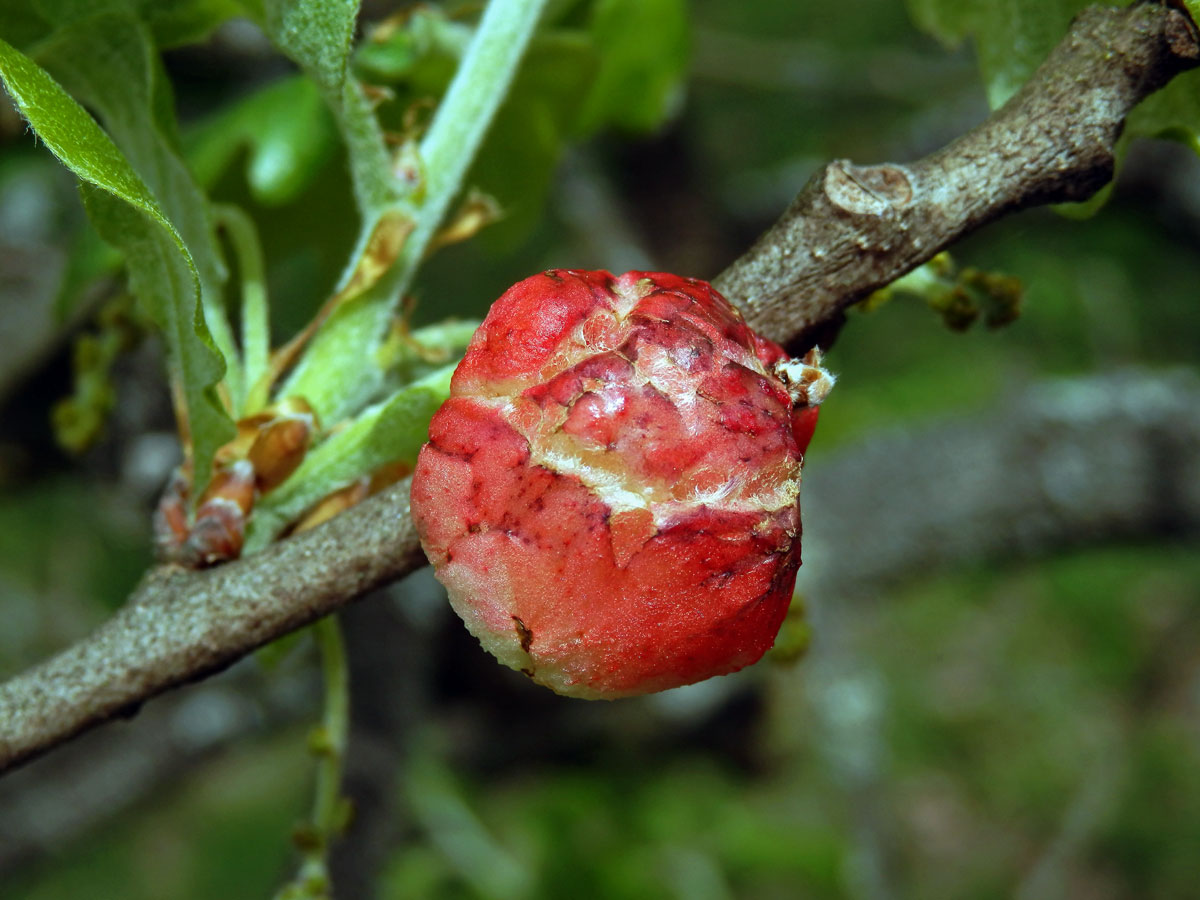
{"points": [[340, 371], [375, 187], [256, 330], [336, 727], [329, 744], [465, 114]]}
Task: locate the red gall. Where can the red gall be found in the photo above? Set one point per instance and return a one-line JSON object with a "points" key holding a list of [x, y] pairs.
{"points": [[611, 493]]}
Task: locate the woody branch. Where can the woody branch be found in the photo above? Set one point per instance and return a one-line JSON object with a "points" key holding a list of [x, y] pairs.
{"points": [[851, 230]]}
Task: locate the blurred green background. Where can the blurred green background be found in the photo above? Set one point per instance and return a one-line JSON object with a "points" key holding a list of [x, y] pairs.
{"points": [[1023, 724]]}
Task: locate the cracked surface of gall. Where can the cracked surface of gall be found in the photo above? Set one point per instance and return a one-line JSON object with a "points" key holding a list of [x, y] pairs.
{"points": [[610, 495]]}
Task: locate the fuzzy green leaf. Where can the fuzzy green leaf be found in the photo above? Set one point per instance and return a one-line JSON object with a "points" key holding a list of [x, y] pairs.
{"points": [[105, 56], [72, 135], [158, 272], [108, 62], [169, 286], [317, 35], [173, 22]]}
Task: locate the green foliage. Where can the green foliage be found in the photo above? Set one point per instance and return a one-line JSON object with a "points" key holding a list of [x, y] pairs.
{"points": [[577, 81], [71, 134], [1174, 112], [256, 325], [164, 286], [287, 132], [1006, 693], [21, 23], [317, 35], [178, 22], [106, 58], [67, 546], [338, 373], [689, 829], [206, 840], [1006, 703], [961, 298], [163, 272], [422, 50], [619, 64], [387, 432], [624, 70], [1011, 39], [643, 48], [1044, 706]]}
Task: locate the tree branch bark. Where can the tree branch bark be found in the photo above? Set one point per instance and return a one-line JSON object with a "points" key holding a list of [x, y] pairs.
{"points": [[851, 230], [181, 625], [854, 229]]}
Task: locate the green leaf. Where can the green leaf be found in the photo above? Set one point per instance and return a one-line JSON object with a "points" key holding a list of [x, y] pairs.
{"points": [[645, 48], [398, 55], [21, 23], [164, 282], [177, 22], [72, 135], [288, 131], [172, 22], [108, 60], [151, 238], [1011, 39], [390, 431], [317, 34]]}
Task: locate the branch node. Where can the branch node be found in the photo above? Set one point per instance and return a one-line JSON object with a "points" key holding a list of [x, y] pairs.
{"points": [[876, 191]]}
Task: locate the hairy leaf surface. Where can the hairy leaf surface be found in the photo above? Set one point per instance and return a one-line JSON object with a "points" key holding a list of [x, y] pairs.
{"points": [[162, 268]]}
